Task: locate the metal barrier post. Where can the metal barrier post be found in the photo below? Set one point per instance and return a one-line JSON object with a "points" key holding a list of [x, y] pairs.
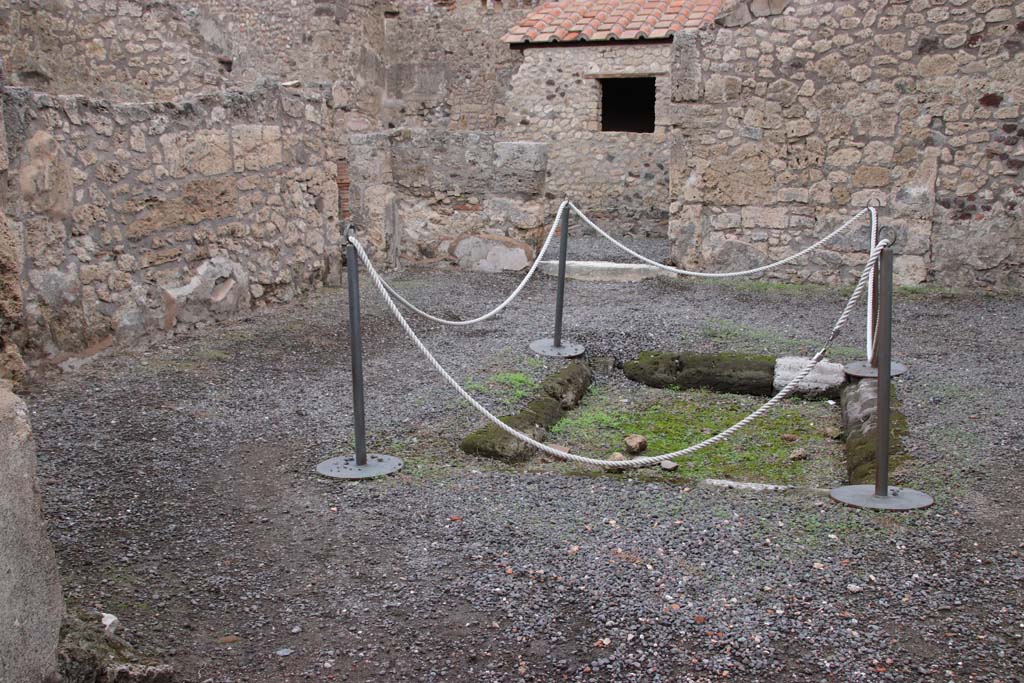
{"points": [[869, 368], [881, 496], [554, 346], [361, 465]]}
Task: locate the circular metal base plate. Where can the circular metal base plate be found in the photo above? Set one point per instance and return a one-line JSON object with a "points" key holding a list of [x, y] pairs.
{"points": [[345, 467], [546, 347], [863, 369], [863, 496]]}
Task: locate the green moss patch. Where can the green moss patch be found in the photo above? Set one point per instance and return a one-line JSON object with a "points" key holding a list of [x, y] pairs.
{"points": [[761, 452]]}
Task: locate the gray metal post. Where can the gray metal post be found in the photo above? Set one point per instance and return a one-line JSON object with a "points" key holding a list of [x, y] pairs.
{"points": [[881, 496], [883, 355], [356, 345], [555, 346], [563, 250], [360, 466], [868, 368]]}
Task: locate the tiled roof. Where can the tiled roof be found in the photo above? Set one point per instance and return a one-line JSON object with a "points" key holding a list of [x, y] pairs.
{"points": [[574, 21]]}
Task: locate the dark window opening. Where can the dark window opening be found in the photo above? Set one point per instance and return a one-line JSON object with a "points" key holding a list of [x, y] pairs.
{"points": [[627, 104]]}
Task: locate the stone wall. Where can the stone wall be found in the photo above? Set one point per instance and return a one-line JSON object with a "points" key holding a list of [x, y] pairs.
{"points": [[11, 364], [447, 66], [316, 41], [556, 98], [31, 606], [130, 219], [784, 125], [114, 49], [416, 191], [156, 50]]}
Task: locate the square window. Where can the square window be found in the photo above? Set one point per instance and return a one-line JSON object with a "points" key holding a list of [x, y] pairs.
{"points": [[627, 104]]}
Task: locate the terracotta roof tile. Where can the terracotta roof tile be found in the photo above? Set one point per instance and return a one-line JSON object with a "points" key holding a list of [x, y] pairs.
{"points": [[566, 21]]}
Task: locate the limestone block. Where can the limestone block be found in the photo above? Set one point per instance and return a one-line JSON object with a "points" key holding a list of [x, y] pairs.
{"points": [[724, 253], [45, 178], [937, 65], [765, 8], [916, 195], [909, 270], [687, 78], [491, 253], [721, 88], [218, 290], [872, 176], [521, 156], [739, 15], [520, 167], [256, 146], [824, 381], [31, 607], [200, 200], [205, 152]]}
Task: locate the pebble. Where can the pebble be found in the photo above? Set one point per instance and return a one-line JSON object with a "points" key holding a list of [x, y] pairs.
{"points": [[635, 443]]}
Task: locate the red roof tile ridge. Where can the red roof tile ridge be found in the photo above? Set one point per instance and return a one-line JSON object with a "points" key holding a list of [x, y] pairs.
{"points": [[596, 20]]}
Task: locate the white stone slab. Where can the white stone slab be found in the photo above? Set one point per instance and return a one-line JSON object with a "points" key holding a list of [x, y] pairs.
{"points": [[824, 380]]}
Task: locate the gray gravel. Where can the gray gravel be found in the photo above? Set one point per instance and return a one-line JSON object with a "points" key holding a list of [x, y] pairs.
{"points": [[179, 484], [593, 247]]}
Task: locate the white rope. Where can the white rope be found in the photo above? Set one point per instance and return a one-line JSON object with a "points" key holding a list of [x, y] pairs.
{"points": [[637, 462], [735, 273], [871, 322], [486, 316]]}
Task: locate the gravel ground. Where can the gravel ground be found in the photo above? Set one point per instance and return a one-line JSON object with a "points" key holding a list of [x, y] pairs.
{"points": [[593, 247], [179, 484]]}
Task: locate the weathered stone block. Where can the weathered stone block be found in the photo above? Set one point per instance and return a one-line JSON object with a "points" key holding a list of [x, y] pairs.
{"points": [[219, 289], [729, 372], [205, 152], [31, 606], [824, 381], [45, 178], [687, 77], [256, 146], [491, 253], [568, 385], [492, 442], [201, 200]]}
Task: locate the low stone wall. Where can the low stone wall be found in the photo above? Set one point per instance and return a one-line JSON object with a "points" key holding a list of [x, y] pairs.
{"points": [[416, 192], [130, 219], [31, 606], [785, 125]]}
